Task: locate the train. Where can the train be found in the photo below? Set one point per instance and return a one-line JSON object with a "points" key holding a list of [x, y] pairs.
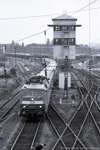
{"points": [[35, 94]]}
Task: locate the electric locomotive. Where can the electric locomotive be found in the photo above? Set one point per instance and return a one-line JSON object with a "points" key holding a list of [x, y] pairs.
{"points": [[35, 95]]}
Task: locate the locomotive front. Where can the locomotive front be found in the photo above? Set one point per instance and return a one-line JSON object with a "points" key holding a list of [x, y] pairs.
{"points": [[32, 101]]}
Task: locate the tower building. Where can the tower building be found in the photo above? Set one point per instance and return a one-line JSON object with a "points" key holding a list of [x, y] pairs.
{"points": [[64, 33]]}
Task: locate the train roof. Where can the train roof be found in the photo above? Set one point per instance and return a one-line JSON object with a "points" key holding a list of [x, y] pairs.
{"points": [[35, 86], [48, 70]]}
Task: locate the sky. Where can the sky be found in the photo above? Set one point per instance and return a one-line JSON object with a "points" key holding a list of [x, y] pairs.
{"points": [[42, 12]]}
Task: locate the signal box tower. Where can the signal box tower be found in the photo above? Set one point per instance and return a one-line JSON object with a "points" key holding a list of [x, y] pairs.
{"points": [[64, 45], [64, 30]]}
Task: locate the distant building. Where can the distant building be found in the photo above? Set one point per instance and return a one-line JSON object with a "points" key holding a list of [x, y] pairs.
{"points": [[85, 50], [82, 50], [33, 49], [1, 51], [39, 49], [64, 28]]}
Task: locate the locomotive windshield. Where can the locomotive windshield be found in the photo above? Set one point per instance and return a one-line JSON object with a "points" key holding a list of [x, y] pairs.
{"points": [[31, 93]]}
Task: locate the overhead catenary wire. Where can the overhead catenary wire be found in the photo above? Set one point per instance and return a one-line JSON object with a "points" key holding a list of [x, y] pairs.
{"points": [[51, 27], [59, 22], [28, 17], [30, 36], [39, 16], [84, 7]]}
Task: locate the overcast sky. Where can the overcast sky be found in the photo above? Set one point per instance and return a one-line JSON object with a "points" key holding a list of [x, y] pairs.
{"points": [[16, 29]]}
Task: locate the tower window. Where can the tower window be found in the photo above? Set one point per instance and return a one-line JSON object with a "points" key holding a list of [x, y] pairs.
{"points": [[71, 28], [57, 41], [56, 28], [64, 28], [64, 41], [72, 41]]}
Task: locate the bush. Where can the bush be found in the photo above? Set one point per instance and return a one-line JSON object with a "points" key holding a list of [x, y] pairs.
{"points": [[5, 76], [1, 64], [13, 71]]}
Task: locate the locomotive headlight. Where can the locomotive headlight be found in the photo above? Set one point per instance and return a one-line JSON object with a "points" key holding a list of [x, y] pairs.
{"points": [[40, 106], [24, 106], [32, 99]]}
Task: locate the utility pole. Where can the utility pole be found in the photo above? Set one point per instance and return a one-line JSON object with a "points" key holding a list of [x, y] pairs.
{"points": [[45, 37], [15, 56], [2, 54], [66, 76], [67, 67], [4, 67], [1, 132]]}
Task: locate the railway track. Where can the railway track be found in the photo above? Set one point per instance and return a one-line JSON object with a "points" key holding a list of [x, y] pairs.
{"points": [[8, 110], [8, 107], [94, 87], [9, 93], [22, 71], [91, 105], [70, 135], [8, 100], [65, 133], [58, 125], [27, 136], [27, 69]]}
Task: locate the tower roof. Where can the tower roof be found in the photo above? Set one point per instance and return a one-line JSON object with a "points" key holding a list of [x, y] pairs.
{"points": [[64, 17]]}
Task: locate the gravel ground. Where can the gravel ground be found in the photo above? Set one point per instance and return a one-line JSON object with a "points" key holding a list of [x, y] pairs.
{"points": [[46, 136], [65, 107], [9, 128], [91, 143]]}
